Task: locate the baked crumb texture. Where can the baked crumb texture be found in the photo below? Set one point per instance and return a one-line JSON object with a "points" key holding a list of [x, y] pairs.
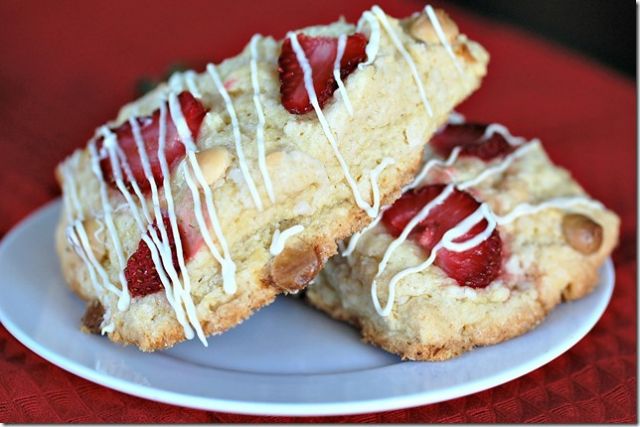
{"points": [[389, 121], [545, 262]]}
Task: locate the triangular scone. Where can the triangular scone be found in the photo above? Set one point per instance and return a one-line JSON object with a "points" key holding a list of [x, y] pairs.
{"points": [[262, 194], [539, 240]]}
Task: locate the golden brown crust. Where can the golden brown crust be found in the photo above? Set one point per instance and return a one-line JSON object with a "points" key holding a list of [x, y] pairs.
{"points": [[522, 319]]}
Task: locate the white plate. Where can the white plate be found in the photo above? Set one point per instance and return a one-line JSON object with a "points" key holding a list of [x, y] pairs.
{"points": [[288, 359]]}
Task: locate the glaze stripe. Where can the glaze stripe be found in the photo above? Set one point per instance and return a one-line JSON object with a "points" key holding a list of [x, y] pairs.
{"points": [[342, 41], [435, 22], [280, 238], [412, 66], [164, 262], [373, 45], [124, 298], [180, 289], [482, 213], [228, 267], [237, 137], [308, 83], [262, 160]]}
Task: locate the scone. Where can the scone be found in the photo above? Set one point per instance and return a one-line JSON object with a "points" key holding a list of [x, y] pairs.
{"points": [[215, 192], [482, 245]]}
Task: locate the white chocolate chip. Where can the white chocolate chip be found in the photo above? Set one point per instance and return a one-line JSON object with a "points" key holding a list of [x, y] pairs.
{"points": [[275, 160], [499, 294], [302, 208], [422, 29], [214, 163]]}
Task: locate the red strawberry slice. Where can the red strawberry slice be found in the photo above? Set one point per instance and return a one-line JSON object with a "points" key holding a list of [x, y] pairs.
{"points": [[476, 267], [354, 53], [174, 151], [140, 272], [321, 53], [469, 137], [456, 135]]}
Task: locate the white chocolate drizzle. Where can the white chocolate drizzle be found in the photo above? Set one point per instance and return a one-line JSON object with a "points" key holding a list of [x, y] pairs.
{"points": [[424, 172], [190, 80], [494, 128], [227, 265], [373, 45], [280, 238], [237, 137], [76, 232], [178, 81], [483, 212], [355, 238], [77, 237], [435, 22], [262, 160], [564, 203], [311, 92], [395, 244], [124, 298], [112, 150], [407, 57], [342, 41], [108, 328], [374, 175], [161, 254], [455, 118], [500, 166], [178, 293], [447, 242]]}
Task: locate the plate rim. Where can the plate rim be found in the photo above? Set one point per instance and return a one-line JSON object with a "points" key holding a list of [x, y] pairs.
{"points": [[425, 397]]}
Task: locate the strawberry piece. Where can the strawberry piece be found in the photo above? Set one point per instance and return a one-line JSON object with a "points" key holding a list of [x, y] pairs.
{"points": [[407, 206], [174, 150], [140, 272], [321, 53], [476, 267], [456, 135], [468, 136], [354, 54]]}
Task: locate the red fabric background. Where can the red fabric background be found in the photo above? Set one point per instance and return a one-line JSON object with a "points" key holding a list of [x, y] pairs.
{"points": [[67, 66]]}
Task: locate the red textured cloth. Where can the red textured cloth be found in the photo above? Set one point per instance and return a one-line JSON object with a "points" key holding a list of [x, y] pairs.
{"points": [[67, 66]]}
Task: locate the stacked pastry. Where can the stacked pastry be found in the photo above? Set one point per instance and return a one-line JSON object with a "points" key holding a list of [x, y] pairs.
{"points": [[218, 190]]}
